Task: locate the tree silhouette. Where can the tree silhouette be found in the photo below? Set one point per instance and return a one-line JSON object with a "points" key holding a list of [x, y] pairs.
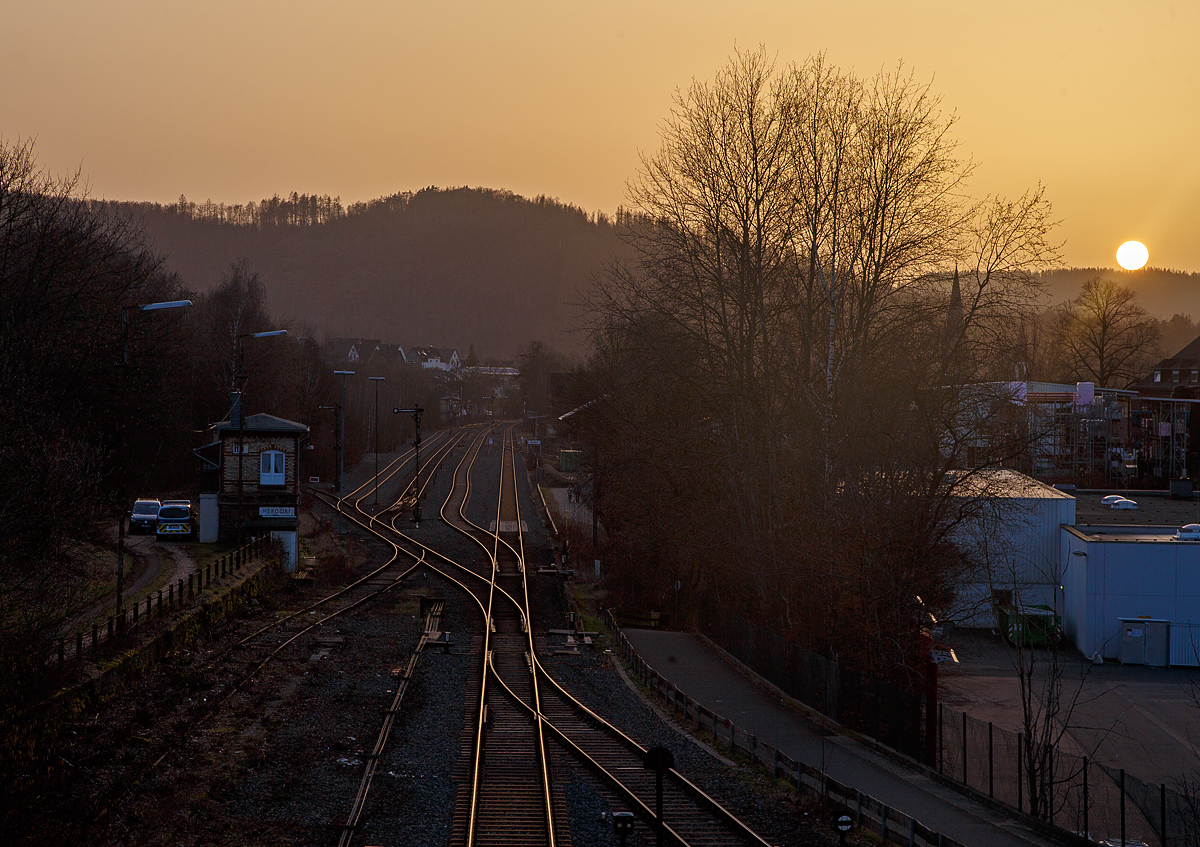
{"points": [[1107, 337]]}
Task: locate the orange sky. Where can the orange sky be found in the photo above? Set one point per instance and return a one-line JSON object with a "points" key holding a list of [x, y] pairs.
{"points": [[236, 101]]}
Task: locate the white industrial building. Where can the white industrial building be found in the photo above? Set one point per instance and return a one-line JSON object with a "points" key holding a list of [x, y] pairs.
{"points": [[1011, 537], [1127, 593], [1132, 593]]}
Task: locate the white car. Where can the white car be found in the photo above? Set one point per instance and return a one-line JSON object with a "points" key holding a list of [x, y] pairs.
{"points": [[1112, 498], [1124, 504]]}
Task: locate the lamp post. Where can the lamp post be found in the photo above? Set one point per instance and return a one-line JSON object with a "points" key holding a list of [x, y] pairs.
{"points": [[342, 443], [128, 311], [376, 380], [415, 411], [336, 408], [239, 408]]}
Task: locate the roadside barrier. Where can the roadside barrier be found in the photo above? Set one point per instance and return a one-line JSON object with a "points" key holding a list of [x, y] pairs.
{"points": [[136, 619], [891, 825]]}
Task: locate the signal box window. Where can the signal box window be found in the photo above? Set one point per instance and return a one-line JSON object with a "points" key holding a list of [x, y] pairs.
{"points": [[271, 464]]}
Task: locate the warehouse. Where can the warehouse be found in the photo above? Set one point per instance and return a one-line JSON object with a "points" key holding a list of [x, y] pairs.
{"points": [[1010, 535], [1132, 593]]}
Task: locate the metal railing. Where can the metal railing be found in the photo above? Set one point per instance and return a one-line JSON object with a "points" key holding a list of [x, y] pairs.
{"points": [[891, 825], [141, 616]]}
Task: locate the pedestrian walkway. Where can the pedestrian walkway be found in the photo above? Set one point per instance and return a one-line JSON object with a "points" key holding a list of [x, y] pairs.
{"points": [[574, 512], [699, 671]]}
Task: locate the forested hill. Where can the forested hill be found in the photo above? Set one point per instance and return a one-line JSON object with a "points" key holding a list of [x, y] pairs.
{"points": [[442, 267], [457, 267], [1163, 293]]}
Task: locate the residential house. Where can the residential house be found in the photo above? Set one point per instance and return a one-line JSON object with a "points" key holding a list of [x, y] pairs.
{"points": [[435, 358]]}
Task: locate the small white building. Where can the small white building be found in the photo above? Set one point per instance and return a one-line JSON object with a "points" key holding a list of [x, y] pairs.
{"points": [[1125, 584], [434, 358], [1010, 536]]}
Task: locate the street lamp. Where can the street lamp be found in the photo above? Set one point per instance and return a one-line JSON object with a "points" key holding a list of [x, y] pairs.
{"points": [[415, 411], [376, 380], [128, 311]]}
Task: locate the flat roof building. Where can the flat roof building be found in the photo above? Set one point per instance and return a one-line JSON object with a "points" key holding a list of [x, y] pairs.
{"points": [[1125, 583]]}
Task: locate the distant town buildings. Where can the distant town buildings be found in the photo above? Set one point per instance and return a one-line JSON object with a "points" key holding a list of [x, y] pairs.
{"points": [[435, 358], [1090, 435]]}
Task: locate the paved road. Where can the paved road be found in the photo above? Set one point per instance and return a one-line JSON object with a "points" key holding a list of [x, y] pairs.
{"points": [[150, 558], [1127, 716], [686, 661]]}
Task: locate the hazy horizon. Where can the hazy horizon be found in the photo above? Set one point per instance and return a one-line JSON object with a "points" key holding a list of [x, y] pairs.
{"points": [[235, 102]]}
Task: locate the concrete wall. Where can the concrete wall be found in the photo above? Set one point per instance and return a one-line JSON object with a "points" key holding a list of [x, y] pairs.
{"points": [[1077, 625], [288, 539], [210, 519]]}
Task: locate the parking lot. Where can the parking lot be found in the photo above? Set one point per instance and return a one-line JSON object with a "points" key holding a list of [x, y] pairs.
{"points": [[1146, 720]]}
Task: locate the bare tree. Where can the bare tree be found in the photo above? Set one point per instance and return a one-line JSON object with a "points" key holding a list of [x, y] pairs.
{"points": [[1004, 245], [795, 240], [711, 236], [72, 358], [1107, 336]]}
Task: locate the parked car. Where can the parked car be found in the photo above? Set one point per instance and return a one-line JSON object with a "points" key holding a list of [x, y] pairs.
{"points": [[144, 517], [187, 503], [175, 521]]}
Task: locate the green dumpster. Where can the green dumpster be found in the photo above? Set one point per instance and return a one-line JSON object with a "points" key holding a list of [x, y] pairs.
{"points": [[1029, 626]]}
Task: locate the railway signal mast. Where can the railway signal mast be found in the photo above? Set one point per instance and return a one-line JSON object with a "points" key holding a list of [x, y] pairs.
{"points": [[415, 411], [128, 312], [341, 443]]}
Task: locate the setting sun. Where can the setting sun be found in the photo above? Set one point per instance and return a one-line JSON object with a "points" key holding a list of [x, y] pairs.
{"points": [[1132, 255]]}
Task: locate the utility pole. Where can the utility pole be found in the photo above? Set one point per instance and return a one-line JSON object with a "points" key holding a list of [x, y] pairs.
{"points": [[341, 445], [128, 312], [239, 408], [376, 380]]}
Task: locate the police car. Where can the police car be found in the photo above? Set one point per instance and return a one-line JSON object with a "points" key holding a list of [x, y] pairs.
{"points": [[175, 520]]}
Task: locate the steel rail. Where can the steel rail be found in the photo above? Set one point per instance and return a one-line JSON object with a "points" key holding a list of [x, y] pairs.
{"points": [[364, 785], [481, 713], [547, 723], [614, 782], [394, 467], [531, 647], [244, 677]]}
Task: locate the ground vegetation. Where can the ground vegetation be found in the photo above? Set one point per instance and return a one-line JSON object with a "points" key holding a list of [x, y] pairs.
{"points": [[82, 405]]}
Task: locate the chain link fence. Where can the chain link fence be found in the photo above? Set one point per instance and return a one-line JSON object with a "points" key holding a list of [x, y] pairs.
{"points": [[1064, 790]]}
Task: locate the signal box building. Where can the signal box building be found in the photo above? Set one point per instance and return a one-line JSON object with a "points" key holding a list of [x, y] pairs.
{"points": [[259, 490]]}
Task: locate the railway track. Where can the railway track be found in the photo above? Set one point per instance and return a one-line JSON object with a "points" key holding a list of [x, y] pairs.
{"points": [[518, 713]]}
